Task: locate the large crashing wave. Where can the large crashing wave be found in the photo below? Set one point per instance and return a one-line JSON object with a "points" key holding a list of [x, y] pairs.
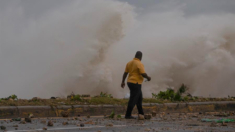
{"points": [[84, 47]]}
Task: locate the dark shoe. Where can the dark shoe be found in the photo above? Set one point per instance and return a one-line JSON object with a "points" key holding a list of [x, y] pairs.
{"points": [[130, 117]]}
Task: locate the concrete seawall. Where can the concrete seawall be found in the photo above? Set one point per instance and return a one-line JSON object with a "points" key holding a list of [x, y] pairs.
{"points": [[94, 110]]}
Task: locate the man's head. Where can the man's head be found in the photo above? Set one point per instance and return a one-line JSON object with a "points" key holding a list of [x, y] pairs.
{"points": [[138, 55]]}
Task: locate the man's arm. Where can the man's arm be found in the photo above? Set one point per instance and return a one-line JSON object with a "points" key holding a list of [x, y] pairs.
{"points": [[142, 71], [146, 76], [123, 79]]}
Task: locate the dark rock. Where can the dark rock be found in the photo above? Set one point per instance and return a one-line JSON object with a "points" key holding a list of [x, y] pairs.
{"points": [[147, 116], [50, 123], [81, 125], [65, 123], [141, 117], [28, 120], [3, 128], [65, 113], [22, 122], [109, 125]]}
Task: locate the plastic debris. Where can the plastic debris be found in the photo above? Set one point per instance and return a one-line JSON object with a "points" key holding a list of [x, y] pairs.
{"points": [[218, 120]]}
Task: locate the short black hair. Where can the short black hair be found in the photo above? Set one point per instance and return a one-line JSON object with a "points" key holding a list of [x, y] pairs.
{"points": [[138, 54]]}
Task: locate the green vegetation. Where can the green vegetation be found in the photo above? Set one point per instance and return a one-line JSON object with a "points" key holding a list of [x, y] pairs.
{"points": [[162, 97], [112, 115], [106, 95], [119, 116], [13, 97], [76, 98], [170, 94]]}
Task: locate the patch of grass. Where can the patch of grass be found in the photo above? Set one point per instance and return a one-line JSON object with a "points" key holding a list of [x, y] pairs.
{"points": [[119, 116], [106, 95], [112, 115], [99, 101]]}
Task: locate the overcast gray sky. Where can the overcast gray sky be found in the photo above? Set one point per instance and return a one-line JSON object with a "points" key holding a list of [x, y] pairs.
{"points": [[35, 8]]}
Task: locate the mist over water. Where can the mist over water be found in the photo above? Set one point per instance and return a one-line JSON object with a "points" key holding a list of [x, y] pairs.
{"points": [[84, 47]]}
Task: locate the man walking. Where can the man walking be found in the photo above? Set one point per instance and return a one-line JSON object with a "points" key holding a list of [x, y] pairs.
{"points": [[136, 76]]}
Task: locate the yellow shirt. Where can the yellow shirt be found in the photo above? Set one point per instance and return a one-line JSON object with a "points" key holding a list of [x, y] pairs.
{"points": [[135, 68]]}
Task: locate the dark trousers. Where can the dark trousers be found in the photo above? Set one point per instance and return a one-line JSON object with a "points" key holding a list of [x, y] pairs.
{"points": [[136, 98]]}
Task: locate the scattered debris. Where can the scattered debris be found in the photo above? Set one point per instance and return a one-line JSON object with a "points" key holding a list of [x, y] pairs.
{"points": [[109, 125], [90, 122], [50, 123], [140, 117], [22, 122], [147, 129], [154, 113], [224, 124], [222, 114], [15, 125], [82, 125], [218, 120], [147, 116], [28, 119], [65, 113], [65, 123], [3, 128]]}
